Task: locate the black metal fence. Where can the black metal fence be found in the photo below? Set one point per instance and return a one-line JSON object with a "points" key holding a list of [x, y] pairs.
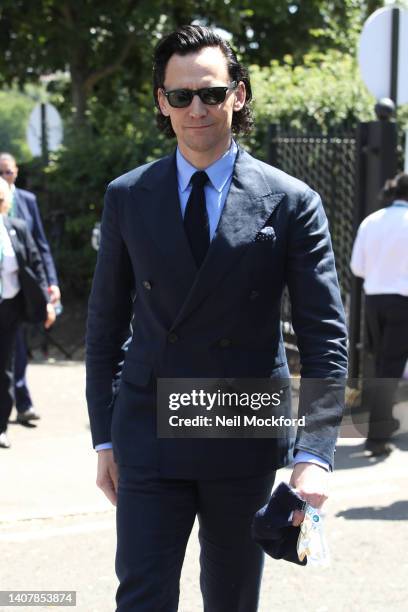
{"points": [[327, 163]]}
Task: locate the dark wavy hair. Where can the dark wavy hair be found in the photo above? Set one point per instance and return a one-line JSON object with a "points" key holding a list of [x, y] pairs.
{"points": [[190, 39], [395, 189]]}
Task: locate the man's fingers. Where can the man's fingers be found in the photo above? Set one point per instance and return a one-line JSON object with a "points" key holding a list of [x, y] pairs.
{"points": [[310, 482], [110, 493], [298, 517], [107, 475], [113, 472], [313, 499], [109, 488]]}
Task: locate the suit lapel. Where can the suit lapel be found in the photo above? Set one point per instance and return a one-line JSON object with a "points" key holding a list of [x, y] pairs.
{"points": [[12, 232], [20, 210], [250, 202], [164, 221]]}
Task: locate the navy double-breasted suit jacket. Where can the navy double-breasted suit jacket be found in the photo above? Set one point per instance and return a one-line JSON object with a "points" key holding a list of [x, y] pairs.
{"points": [[27, 209], [222, 320]]}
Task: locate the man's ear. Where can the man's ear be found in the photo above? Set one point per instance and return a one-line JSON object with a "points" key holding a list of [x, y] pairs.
{"points": [[163, 104], [240, 96]]}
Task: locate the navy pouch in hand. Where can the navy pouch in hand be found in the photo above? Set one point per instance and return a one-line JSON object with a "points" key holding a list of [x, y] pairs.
{"points": [[271, 527]]}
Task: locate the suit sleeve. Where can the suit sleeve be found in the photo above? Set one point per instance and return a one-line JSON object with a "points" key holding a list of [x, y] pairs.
{"points": [[319, 324], [34, 261], [42, 243], [109, 318]]}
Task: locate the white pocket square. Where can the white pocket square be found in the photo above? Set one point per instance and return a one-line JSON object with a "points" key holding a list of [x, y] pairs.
{"points": [[266, 233]]}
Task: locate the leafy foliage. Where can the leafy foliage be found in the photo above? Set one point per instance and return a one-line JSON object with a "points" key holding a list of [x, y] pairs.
{"points": [[99, 43], [323, 93], [15, 109]]}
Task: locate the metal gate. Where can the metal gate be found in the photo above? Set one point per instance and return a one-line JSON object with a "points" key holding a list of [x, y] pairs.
{"points": [[327, 163]]}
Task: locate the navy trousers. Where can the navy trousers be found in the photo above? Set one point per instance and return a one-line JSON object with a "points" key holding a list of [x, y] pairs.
{"points": [[154, 520], [21, 392]]}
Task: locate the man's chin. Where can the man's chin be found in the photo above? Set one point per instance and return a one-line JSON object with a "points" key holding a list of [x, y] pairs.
{"points": [[202, 145]]}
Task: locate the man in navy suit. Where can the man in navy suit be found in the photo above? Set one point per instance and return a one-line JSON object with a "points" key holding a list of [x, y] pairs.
{"points": [[196, 249], [25, 207]]}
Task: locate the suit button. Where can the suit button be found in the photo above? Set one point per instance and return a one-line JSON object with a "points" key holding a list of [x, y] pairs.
{"points": [[254, 295], [224, 343], [147, 285], [172, 338]]}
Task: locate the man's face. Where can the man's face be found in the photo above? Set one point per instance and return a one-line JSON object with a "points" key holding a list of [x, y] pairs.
{"points": [[202, 130], [8, 170]]}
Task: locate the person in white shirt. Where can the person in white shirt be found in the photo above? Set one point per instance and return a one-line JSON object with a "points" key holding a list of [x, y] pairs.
{"points": [[380, 257], [15, 239]]}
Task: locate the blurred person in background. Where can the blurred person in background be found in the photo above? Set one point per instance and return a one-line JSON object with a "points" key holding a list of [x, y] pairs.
{"points": [[24, 206], [15, 239], [380, 257]]}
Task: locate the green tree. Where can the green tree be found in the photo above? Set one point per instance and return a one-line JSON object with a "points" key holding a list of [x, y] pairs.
{"points": [[15, 108], [105, 45], [93, 41], [324, 93]]}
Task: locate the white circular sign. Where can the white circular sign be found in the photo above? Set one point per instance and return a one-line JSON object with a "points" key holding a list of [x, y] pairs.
{"points": [[375, 54], [53, 128]]}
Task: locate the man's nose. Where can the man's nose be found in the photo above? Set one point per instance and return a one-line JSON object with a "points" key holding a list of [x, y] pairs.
{"points": [[197, 108]]}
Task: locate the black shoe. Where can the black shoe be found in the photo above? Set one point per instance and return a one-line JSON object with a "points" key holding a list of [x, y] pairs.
{"points": [[395, 425], [378, 448], [4, 441], [28, 415]]}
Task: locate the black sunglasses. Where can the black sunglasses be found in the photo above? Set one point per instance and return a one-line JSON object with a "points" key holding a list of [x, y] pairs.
{"points": [[181, 98], [6, 172]]}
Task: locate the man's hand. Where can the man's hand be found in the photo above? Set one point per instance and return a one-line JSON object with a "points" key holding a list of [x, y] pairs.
{"points": [[107, 474], [51, 316], [54, 293], [311, 483]]}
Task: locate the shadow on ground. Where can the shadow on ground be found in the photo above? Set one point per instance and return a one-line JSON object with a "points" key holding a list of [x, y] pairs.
{"points": [[398, 511], [349, 456]]}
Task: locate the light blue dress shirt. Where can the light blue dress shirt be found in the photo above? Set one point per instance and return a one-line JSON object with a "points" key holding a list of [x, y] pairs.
{"points": [[216, 191]]}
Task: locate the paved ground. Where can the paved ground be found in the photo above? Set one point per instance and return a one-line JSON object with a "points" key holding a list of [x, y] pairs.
{"points": [[57, 531]]}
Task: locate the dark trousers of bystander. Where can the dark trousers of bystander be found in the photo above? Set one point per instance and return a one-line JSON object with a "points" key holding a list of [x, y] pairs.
{"points": [[10, 317], [22, 394], [387, 323]]}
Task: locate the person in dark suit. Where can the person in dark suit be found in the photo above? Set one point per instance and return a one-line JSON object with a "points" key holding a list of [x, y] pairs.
{"points": [[24, 206], [196, 249], [15, 239]]}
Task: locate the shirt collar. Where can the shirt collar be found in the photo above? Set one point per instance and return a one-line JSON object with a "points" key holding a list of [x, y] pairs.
{"points": [[219, 172], [400, 203], [12, 188]]}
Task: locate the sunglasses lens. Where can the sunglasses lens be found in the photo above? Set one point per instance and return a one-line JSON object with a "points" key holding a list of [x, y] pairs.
{"points": [[213, 95], [180, 98]]}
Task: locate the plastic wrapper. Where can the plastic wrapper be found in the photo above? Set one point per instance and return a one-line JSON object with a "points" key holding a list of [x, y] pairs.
{"points": [[312, 542]]}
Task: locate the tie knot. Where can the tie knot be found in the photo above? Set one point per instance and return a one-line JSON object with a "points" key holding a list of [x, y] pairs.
{"points": [[199, 179]]}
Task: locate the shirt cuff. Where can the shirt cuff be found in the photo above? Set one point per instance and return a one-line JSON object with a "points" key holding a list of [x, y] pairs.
{"points": [[305, 457], [103, 446]]}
